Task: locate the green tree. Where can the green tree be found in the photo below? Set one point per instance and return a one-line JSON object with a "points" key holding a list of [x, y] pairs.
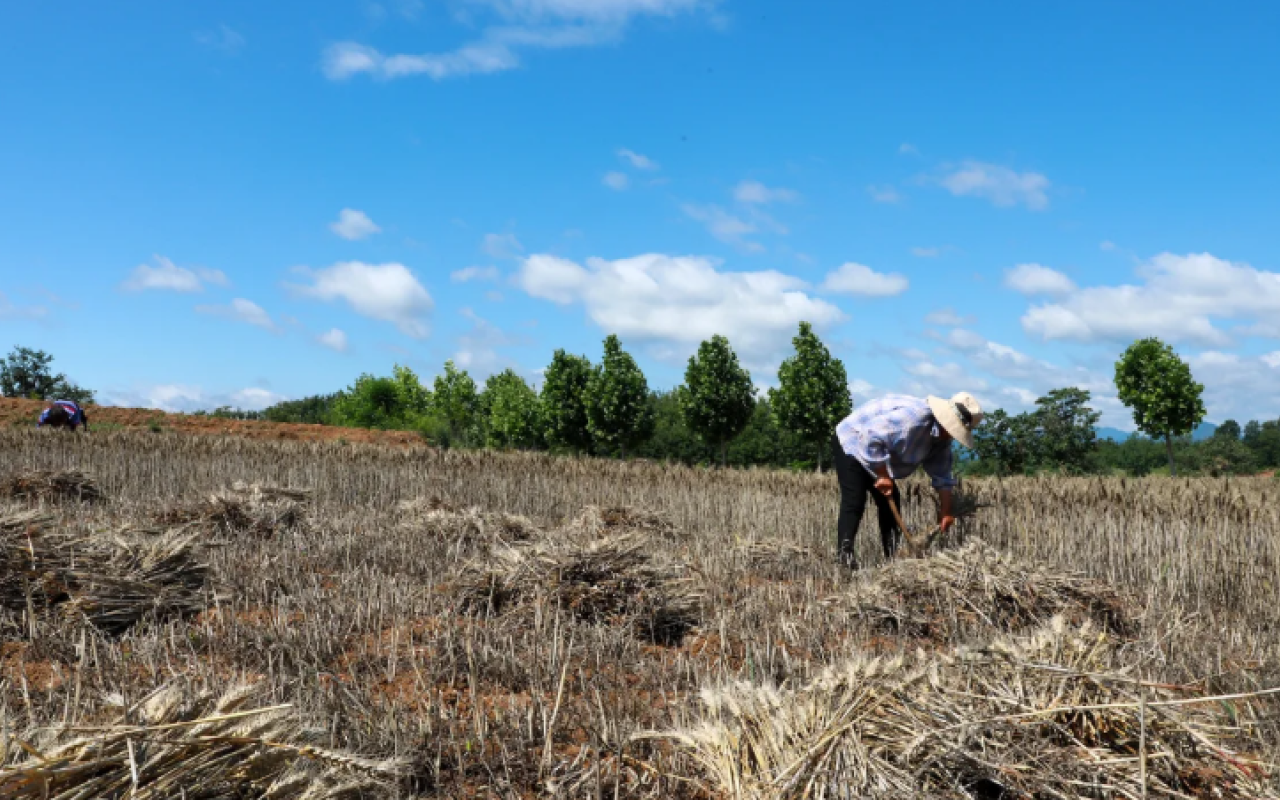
{"points": [[314, 410], [29, 373], [564, 401], [618, 411], [813, 392], [1223, 455], [1157, 384], [513, 412], [415, 399], [1006, 445], [1068, 430], [455, 407], [1263, 440], [1228, 430], [718, 398], [370, 402]]}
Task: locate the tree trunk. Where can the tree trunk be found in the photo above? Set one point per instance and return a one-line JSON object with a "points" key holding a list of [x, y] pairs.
{"points": [[724, 454], [819, 468], [1168, 442]]}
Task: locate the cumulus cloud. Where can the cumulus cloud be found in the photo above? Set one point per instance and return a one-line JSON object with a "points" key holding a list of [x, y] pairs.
{"points": [[1236, 386], [334, 339], [241, 310], [726, 227], [385, 292], [224, 39], [998, 184], [519, 25], [1178, 298], [182, 398], [353, 224], [637, 160], [469, 274], [884, 194], [757, 193], [167, 276], [1272, 359], [502, 245], [11, 311], [616, 181], [679, 301], [862, 280], [946, 316], [1032, 279]]}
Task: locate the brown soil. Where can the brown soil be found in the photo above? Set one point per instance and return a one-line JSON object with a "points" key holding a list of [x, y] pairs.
{"points": [[18, 412]]}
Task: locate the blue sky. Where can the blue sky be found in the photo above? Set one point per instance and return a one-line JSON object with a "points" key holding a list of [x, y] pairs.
{"points": [[240, 202]]}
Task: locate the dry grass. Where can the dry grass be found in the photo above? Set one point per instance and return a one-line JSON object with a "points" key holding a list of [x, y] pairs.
{"points": [[353, 613]]}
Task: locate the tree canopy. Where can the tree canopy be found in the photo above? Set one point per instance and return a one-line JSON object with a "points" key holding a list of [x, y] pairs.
{"points": [[813, 391], [29, 373], [718, 398], [1157, 385]]}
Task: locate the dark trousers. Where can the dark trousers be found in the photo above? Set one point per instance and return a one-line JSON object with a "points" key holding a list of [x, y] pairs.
{"points": [[855, 484]]}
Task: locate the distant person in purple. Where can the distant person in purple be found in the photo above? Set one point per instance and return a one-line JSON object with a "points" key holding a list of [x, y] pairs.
{"points": [[64, 414], [885, 440]]}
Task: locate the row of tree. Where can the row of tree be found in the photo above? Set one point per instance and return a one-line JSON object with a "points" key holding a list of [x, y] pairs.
{"points": [[605, 408], [716, 415]]}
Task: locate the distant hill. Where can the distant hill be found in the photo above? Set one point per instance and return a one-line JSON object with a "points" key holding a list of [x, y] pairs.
{"points": [[1203, 431]]}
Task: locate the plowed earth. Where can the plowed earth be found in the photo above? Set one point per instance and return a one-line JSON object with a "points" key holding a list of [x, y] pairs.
{"points": [[18, 412]]}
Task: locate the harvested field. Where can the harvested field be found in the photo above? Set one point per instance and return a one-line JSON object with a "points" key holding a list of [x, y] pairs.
{"points": [[475, 625]]}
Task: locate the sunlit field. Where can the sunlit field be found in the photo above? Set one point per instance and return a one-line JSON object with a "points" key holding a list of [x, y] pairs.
{"points": [[193, 616]]}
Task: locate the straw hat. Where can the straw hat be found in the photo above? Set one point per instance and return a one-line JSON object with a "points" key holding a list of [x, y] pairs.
{"points": [[959, 416]]}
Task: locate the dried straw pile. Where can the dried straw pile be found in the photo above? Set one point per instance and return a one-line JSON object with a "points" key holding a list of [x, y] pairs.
{"points": [[1048, 715], [976, 585], [110, 580], [597, 576], [199, 747], [593, 521], [252, 509], [435, 519], [51, 485]]}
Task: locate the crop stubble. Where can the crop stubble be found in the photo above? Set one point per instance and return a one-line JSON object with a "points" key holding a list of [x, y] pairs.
{"points": [[362, 612]]}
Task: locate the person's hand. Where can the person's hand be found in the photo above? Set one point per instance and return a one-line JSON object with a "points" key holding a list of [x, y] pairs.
{"points": [[885, 486], [946, 523]]}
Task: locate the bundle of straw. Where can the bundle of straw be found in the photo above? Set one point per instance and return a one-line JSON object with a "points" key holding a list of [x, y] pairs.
{"points": [[52, 485], [245, 508], [611, 579], [431, 518], [110, 580], [176, 744], [979, 585], [1045, 715]]}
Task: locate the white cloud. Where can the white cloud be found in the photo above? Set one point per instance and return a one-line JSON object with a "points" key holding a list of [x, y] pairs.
{"points": [[468, 274], [1031, 279], [1107, 246], [1272, 359], [724, 226], [884, 194], [478, 348], [170, 277], [861, 280], [946, 316], [502, 245], [353, 224], [679, 301], [1178, 299], [926, 252], [999, 184], [522, 25], [224, 38], [334, 339], [637, 160], [616, 181], [9, 311], [240, 310], [385, 292], [1238, 387], [181, 398], [908, 149], [758, 193]]}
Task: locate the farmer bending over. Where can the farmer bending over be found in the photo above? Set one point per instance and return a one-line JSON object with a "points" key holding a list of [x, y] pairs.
{"points": [[64, 414], [886, 439]]}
